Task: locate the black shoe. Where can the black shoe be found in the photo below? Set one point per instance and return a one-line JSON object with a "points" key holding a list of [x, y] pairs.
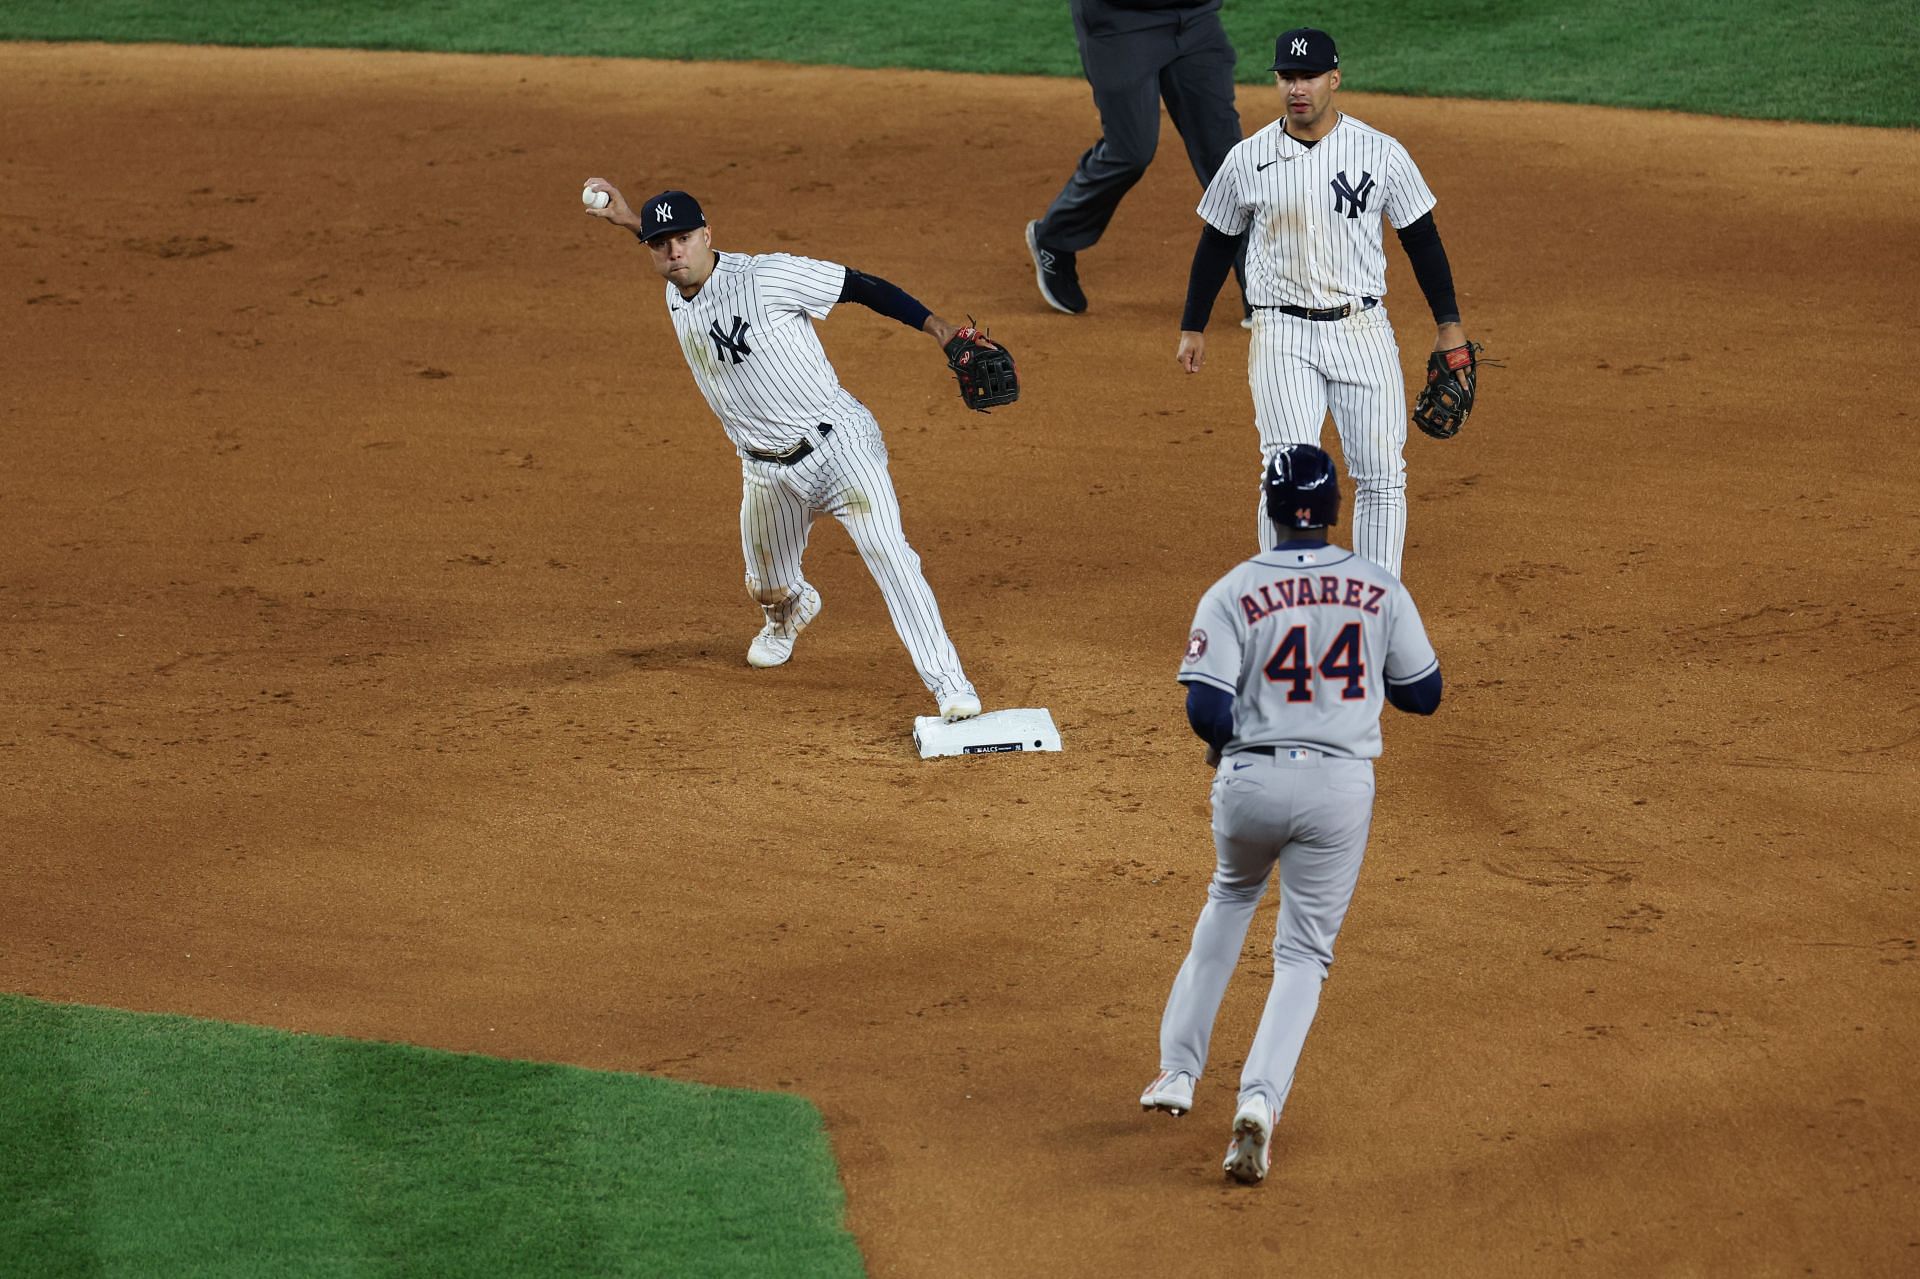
{"points": [[1055, 273]]}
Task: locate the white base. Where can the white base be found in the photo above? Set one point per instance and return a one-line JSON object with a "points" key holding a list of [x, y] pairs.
{"points": [[989, 734]]}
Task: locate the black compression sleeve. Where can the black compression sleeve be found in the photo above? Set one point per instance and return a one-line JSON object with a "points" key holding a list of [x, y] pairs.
{"points": [[1421, 239], [1212, 259], [889, 300]]}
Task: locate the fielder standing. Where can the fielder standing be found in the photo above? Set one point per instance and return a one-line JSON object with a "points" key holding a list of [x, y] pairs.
{"points": [[1291, 657], [1306, 194], [806, 445]]}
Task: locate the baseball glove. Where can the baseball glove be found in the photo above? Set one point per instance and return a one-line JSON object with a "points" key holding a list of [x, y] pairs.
{"points": [[983, 368], [1443, 404]]}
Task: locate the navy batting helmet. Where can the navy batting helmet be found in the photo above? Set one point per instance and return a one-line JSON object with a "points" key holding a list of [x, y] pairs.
{"points": [[1303, 489]]}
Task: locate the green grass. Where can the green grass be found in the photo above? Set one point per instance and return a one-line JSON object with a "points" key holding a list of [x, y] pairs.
{"points": [[1855, 61], [143, 1145]]}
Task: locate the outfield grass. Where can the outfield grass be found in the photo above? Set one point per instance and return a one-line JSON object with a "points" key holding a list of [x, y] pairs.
{"points": [[1853, 61], [144, 1145]]}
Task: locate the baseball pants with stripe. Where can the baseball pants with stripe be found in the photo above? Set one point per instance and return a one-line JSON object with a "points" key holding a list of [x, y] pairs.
{"points": [[845, 477], [1298, 370]]}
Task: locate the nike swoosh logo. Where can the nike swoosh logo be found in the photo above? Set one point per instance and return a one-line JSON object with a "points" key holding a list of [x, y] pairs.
{"points": [[1268, 165], [1238, 767]]}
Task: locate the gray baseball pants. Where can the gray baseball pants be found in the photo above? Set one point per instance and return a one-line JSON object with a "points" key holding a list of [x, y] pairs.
{"points": [[1310, 814]]}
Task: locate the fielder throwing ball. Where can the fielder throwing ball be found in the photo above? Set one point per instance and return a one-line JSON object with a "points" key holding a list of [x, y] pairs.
{"points": [[806, 446], [1306, 194], [1291, 656]]}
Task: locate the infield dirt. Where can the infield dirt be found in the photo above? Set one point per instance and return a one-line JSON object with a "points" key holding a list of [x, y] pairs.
{"points": [[374, 633]]}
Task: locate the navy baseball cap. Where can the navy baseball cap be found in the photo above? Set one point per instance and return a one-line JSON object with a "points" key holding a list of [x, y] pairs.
{"points": [[670, 213], [1305, 49]]}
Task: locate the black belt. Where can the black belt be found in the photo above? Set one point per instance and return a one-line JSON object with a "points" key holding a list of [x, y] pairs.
{"points": [[794, 454], [1275, 750], [1326, 312]]}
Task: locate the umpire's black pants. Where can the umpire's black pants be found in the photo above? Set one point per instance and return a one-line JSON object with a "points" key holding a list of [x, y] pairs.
{"points": [[1190, 65]]}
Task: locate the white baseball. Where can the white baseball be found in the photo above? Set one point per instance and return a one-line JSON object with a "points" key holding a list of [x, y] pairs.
{"points": [[595, 199]]}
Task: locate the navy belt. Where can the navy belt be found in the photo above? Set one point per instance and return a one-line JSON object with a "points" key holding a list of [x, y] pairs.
{"points": [[798, 452], [1326, 312], [1277, 750]]}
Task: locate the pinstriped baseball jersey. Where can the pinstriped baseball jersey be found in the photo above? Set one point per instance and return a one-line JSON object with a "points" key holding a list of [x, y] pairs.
{"points": [[1307, 640], [1314, 212], [748, 337]]}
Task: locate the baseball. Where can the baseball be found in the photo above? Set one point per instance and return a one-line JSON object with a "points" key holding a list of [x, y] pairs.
{"points": [[594, 199]]}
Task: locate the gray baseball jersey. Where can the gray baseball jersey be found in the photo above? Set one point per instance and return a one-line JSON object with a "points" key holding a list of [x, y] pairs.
{"points": [[1307, 640]]}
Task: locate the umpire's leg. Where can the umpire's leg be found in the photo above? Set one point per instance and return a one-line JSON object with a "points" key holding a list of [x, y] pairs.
{"points": [[1198, 87], [1197, 84], [1124, 71]]}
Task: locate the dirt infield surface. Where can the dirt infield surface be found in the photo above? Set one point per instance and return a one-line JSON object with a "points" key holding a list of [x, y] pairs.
{"points": [[373, 634]]}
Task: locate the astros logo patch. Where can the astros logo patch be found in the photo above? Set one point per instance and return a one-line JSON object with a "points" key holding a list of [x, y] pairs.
{"points": [[1196, 646]]}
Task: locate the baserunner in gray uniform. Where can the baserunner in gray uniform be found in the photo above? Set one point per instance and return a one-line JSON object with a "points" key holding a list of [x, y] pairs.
{"points": [[1292, 655]]}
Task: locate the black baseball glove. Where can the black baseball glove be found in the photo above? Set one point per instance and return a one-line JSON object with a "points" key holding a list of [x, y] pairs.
{"points": [[1443, 404], [983, 368]]}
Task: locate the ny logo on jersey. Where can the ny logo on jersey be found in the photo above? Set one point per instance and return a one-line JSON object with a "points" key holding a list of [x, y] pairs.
{"points": [[731, 344], [1300, 48], [663, 213], [1353, 198]]}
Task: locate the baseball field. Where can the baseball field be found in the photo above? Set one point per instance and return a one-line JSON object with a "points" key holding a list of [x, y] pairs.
{"points": [[375, 706]]}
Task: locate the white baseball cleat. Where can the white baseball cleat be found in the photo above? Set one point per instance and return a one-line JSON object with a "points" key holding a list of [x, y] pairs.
{"points": [[1247, 1154], [1171, 1091], [774, 644], [959, 706]]}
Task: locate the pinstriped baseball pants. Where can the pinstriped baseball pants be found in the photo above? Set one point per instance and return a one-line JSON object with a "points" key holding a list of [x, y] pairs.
{"points": [[847, 478], [1299, 369]]}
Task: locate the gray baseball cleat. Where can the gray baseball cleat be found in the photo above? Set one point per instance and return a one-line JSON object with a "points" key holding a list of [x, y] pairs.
{"points": [[1171, 1091], [1248, 1153], [774, 644]]}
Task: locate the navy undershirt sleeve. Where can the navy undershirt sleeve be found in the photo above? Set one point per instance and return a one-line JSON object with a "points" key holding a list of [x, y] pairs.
{"points": [[1421, 239], [1210, 714], [1422, 697], [1212, 259], [888, 299]]}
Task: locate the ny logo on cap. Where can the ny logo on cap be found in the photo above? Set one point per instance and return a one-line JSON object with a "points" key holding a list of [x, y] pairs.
{"points": [[663, 212], [1300, 47]]}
